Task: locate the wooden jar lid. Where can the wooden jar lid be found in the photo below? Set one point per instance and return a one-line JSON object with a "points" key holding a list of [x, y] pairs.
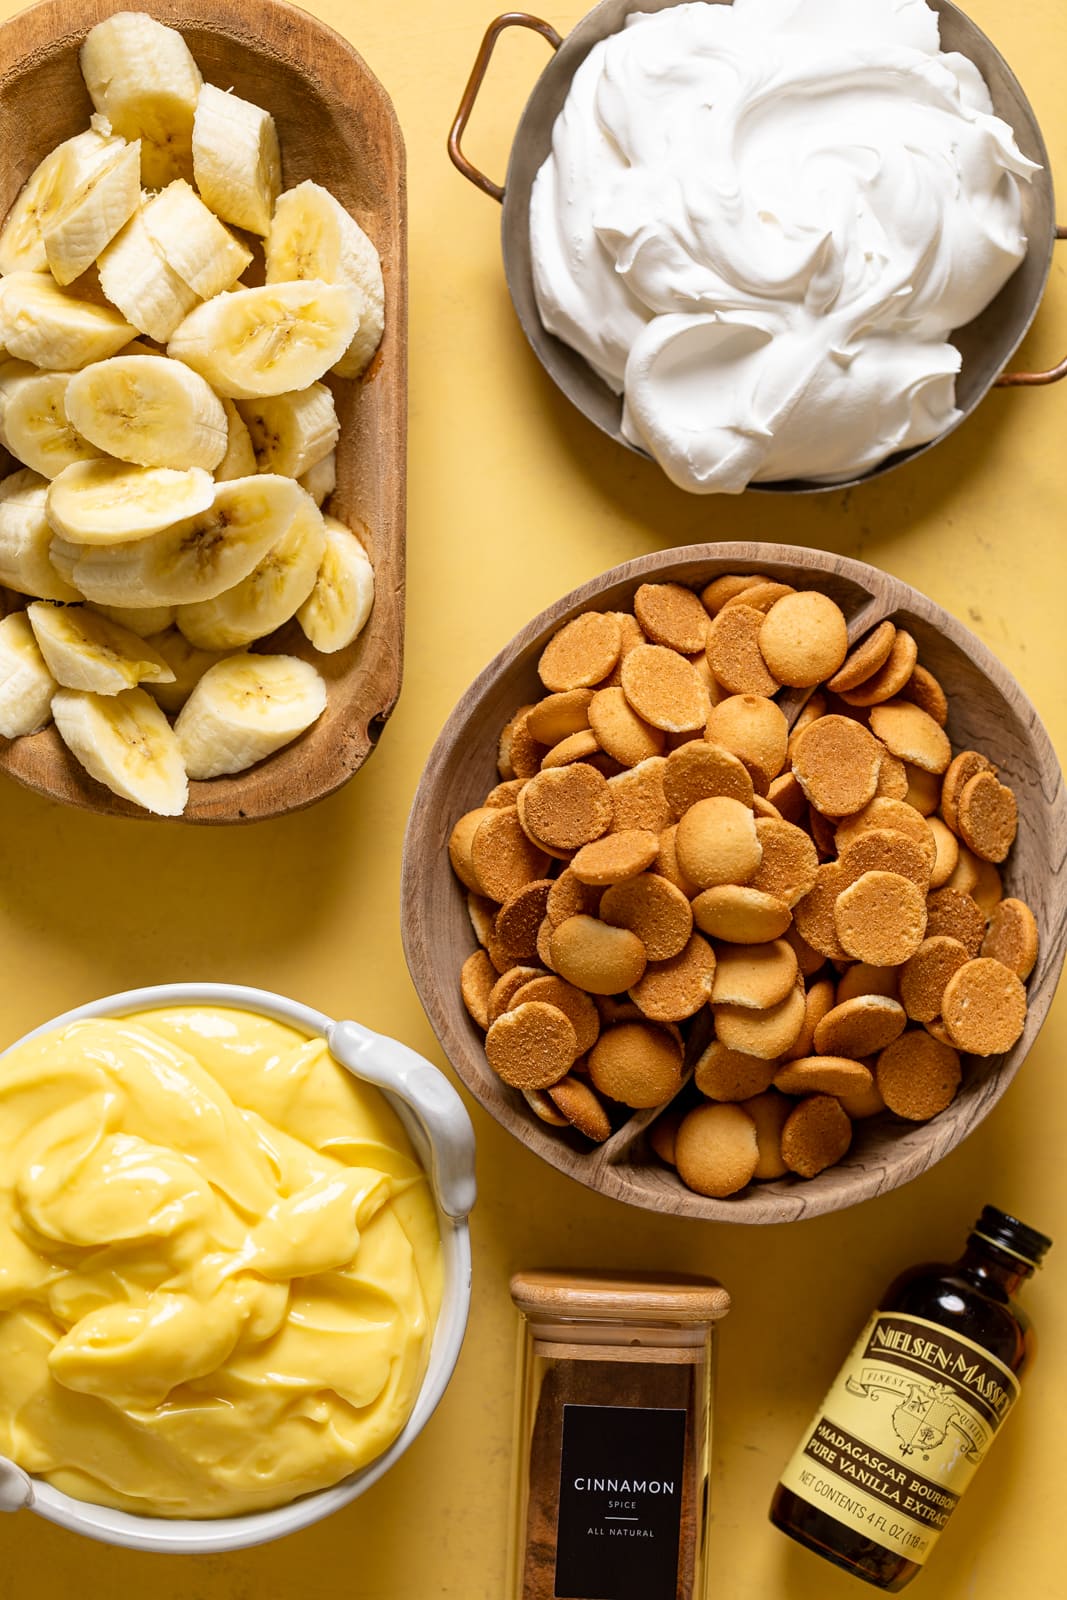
{"points": [[644, 1297]]}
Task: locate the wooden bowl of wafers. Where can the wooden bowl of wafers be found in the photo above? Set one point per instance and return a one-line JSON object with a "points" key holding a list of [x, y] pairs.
{"points": [[987, 712]]}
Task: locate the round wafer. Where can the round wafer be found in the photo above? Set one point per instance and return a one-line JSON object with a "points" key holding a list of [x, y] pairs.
{"points": [[923, 689], [917, 1075], [715, 1149], [912, 735], [636, 1064], [654, 909], [596, 957], [769, 1112], [804, 638], [620, 731], [503, 858], [664, 689], [575, 747], [813, 916], [1012, 937], [959, 771], [569, 897], [667, 862], [698, 770], [864, 659], [769, 1033], [881, 918], [956, 915], [836, 762], [724, 1074], [815, 1135], [740, 915], [520, 917], [860, 1027], [564, 808], [717, 842], [823, 1074], [817, 1002], [459, 846], [890, 678], [863, 978], [582, 653], [557, 716], [670, 991], [531, 1047], [886, 850], [924, 976], [574, 1003], [582, 1108], [984, 1007], [947, 855], [476, 979], [616, 857], [752, 728], [672, 615], [715, 594], [637, 796], [988, 816], [734, 654]]}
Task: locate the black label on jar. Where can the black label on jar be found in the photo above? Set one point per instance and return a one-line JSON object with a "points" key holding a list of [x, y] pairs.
{"points": [[620, 1503]]}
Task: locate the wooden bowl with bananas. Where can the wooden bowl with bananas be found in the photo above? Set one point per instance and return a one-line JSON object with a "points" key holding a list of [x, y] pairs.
{"points": [[202, 407]]}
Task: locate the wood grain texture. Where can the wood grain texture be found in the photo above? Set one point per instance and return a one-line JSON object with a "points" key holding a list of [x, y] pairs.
{"points": [[988, 711], [986, 344], [336, 125]]}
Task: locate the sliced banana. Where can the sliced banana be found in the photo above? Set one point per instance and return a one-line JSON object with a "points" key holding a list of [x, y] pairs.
{"points": [[83, 650], [320, 480], [193, 560], [26, 685], [26, 538], [126, 743], [244, 709], [34, 424], [267, 341], [291, 432], [142, 76], [337, 609], [43, 324], [193, 242], [240, 459], [111, 502], [187, 663], [237, 165], [91, 213], [135, 277], [144, 621], [270, 594], [149, 410], [313, 236], [21, 242]]}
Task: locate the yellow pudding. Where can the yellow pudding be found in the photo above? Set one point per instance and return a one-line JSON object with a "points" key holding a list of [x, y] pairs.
{"points": [[220, 1264]]}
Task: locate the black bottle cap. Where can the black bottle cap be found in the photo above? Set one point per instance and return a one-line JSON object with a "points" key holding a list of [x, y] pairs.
{"points": [[1008, 1233]]}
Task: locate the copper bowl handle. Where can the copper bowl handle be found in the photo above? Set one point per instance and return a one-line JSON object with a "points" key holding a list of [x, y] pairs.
{"points": [[520, 19], [1034, 380]]}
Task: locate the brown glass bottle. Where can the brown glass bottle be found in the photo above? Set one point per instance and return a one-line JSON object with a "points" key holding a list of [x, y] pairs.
{"points": [[908, 1396]]}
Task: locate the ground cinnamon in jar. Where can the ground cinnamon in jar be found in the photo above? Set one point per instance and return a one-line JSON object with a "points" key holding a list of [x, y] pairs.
{"points": [[613, 1436]]}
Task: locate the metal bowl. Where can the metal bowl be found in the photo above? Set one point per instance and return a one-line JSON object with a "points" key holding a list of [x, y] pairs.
{"points": [[986, 344]]}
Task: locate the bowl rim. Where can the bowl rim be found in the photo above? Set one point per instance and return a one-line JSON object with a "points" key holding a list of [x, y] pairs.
{"points": [[573, 375], [808, 1199], [214, 1535]]}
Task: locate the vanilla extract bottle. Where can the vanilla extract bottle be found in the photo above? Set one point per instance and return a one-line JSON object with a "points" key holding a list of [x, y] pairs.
{"points": [[914, 1409]]}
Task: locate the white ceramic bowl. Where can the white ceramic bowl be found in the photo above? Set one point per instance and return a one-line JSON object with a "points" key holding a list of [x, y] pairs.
{"points": [[440, 1130]]}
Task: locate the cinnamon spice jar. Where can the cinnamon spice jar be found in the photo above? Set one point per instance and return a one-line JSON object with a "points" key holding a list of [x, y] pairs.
{"points": [[613, 1436]]}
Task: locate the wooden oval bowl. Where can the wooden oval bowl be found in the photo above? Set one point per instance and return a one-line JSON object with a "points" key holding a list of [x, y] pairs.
{"points": [[336, 125], [988, 711]]}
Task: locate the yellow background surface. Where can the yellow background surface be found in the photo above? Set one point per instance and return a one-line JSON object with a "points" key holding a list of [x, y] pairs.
{"points": [[513, 501]]}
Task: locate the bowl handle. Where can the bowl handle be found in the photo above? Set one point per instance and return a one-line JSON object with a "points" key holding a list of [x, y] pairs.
{"points": [[437, 1107], [519, 19], [16, 1490], [1034, 380]]}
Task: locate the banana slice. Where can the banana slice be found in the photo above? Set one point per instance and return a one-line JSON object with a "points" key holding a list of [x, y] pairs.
{"points": [[110, 502], [193, 242], [240, 459], [320, 480], [135, 277], [187, 663], [195, 559], [237, 165], [41, 323], [337, 609], [148, 410], [270, 594], [90, 214], [266, 341], [85, 651], [25, 540], [291, 432], [313, 236], [26, 685], [144, 621], [126, 743], [21, 242], [142, 76], [34, 424], [244, 709]]}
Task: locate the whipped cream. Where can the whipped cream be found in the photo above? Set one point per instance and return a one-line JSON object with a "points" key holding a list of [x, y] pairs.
{"points": [[760, 223]]}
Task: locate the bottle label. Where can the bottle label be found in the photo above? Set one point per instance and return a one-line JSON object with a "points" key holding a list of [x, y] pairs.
{"points": [[620, 1503], [902, 1432]]}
